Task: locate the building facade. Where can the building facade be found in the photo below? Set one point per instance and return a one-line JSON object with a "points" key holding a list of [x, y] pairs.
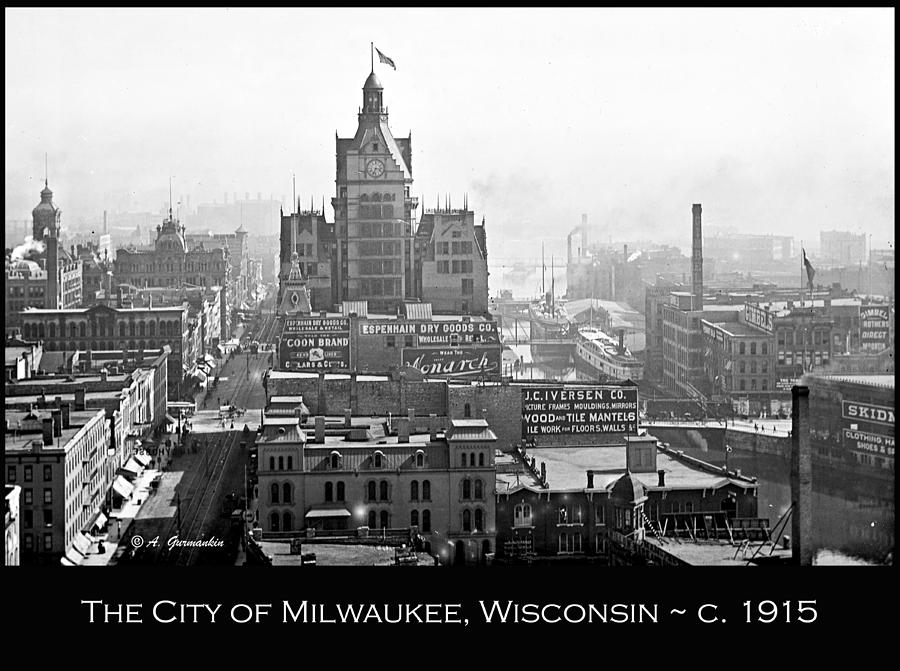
{"points": [[11, 524]]}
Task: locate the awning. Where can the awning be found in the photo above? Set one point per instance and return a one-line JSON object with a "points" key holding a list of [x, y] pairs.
{"points": [[122, 487], [82, 543], [334, 512], [132, 467], [200, 375], [98, 522], [65, 561], [142, 459], [72, 557]]}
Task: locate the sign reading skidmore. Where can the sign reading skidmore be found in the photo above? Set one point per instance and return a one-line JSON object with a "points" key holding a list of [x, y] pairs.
{"points": [[573, 410]]}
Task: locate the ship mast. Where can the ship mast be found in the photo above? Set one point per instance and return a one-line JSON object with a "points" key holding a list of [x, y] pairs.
{"points": [[552, 287], [543, 274]]}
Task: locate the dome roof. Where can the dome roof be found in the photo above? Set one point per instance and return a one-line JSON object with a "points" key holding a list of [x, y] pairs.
{"points": [[372, 82], [628, 488]]}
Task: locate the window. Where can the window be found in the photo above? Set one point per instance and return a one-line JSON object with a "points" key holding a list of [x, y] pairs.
{"points": [[280, 463], [48, 473], [335, 460], [384, 519], [426, 521], [563, 515], [274, 492], [600, 515], [467, 489], [420, 459], [481, 458], [479, 489], [462, 459], [467, 410], [383, 490], [743, 385], [467, 520], [48, 517], [48, 496], [378, 459], [29, 519], [10, 473], [414, 490], [29, 542], [370, 493], [414, 518], [372, 519], [765, 347], [290, 463], [753, 348], [271, 463], [468, 286], [743, 367], [48, 542], [329, 492], [29, 498], [288, 523], [765, 384], [340, 491], [27, 474], [274, 522], [426, 490], [390, 341]]}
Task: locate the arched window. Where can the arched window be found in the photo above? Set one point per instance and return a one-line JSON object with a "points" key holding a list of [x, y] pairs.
{"points": [[426, 520], [73, 330], [467, 520], [472, 459], [329, 492], [121, 329], [271, 463], [335, 460], [152, 328], [290, 463], [82, 330], [340, 491], [479, 519], [371, 492], [383, 490], [384, 519], [414, 490], [280, 463], [274, 492], [479, 489], [372, 519], [273, 522], [52, 330], [467, 489], [481, 458], [288, 524], [378, 458], [462, 458], [414, 518], [467, 410], [420, 459], [131, 329], [426, 490], [141, 329]]}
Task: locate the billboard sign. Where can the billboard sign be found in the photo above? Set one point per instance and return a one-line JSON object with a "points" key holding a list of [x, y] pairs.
{"points": [[869, 443], [874, 328], [436, 332], [759, 317], [454, 362], [313, 343], [866, 412], [579, 410]]}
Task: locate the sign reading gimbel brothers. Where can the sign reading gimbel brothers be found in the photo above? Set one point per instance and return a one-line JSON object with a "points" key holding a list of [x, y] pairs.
{"points": [[571, 410], [455, 362], [315, 343], [874, 327]]}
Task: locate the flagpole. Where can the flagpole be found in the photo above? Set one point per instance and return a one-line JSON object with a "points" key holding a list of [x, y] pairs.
{"points": [[372, 54], [802, 254]]}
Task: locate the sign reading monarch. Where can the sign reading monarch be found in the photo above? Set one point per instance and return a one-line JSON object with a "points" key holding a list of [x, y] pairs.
{"points": [[577, 410], [456, 362], [315, 343]]}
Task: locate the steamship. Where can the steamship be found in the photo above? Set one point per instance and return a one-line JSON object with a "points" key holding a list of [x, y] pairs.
{"points": [[602, 357]]}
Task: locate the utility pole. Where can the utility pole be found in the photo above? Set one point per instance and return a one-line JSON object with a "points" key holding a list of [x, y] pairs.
{"points": [[178, 512]]}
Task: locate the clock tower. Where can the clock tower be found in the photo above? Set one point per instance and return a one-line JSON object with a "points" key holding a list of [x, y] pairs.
{"points": [[374, 212]]}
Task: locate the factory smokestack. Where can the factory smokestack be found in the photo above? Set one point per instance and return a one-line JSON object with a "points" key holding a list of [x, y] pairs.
{"points": [[584, 235], [697, 259]]}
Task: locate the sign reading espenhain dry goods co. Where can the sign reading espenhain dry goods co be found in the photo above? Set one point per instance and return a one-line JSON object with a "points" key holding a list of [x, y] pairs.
{"points": [[572, 410], [312, 343], [456, 362], [866, 412], [870, 443], [874, 327], [435, 332]]}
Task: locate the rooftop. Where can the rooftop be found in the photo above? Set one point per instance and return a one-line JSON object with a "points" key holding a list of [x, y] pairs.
{"points": [[882, 381], [335, 554], [22, 441], [740, 329]]}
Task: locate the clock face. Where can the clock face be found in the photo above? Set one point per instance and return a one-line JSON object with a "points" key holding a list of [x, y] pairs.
{"points": [[375, 168]]}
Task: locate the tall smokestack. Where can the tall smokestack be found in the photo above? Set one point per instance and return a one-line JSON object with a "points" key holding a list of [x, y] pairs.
{"points": [[584, 234], [105, 227], [801, 478], [697, 259]]}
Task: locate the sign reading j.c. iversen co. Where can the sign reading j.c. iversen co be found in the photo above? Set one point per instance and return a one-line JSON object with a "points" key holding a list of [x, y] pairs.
{"points": [[579, 410]]}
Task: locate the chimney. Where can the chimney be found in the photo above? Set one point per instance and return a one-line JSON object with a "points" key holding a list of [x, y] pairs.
{"points": [[621, 341], [65, 410], [79, 398], [105, 227], [347, 417], [56, 416], [697, 259], [432, 427], [590, 475], [801, 477], [104, 375], [662, 477], [403, 429], [47, 427], [584, 235], [543, 473], [625, 259], [320, 429]]}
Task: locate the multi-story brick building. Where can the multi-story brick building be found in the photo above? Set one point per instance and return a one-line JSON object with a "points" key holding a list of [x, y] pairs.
{"points": [[739, 363], [348, 476], [12, 523]]}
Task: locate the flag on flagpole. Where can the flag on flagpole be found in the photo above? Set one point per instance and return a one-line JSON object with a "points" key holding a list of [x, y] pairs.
{"points": [[810, 271], [385, 59]]}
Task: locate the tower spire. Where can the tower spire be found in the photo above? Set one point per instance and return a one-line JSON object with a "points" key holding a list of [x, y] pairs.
{"points": [[170, 196], [372, 55], [46, 171]]}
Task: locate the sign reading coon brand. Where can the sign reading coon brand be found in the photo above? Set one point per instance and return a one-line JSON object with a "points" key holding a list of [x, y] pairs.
{"points": [[457, 362], [315, 343], [579, 410], [436, 333]]}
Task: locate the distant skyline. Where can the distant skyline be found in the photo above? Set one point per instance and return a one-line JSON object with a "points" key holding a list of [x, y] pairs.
{"points": [[777, 121]]}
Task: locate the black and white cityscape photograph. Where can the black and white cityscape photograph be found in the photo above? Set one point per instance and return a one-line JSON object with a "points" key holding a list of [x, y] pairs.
{"points": [[627, 299]]}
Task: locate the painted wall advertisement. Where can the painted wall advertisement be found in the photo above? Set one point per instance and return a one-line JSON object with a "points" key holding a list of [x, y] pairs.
{"points": [[874, 328], [436, 333], [575, 410], [869, 443], [757, 316], [456, 362], [315, 344]]}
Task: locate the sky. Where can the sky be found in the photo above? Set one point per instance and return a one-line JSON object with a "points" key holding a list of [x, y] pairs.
{"points": [[776, 121]]}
